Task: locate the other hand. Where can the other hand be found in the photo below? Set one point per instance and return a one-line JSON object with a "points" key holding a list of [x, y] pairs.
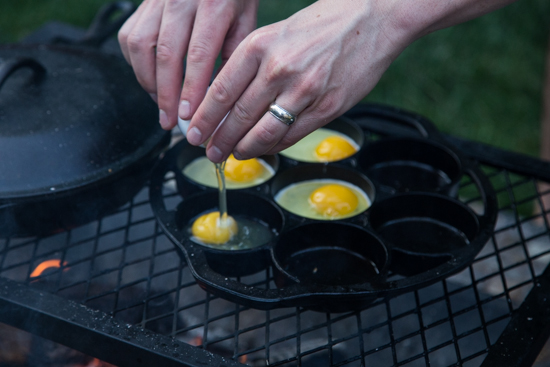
{"points": [[157, 37]]}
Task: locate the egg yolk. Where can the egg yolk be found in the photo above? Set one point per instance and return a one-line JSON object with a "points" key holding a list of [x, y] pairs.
{"points": [[333, 200], [242, 171], [209, 229], [334, 148]]}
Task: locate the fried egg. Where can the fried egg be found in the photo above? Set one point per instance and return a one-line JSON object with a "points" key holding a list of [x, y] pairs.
{"points": [[326, 199], [322, 145], [238, 174]]}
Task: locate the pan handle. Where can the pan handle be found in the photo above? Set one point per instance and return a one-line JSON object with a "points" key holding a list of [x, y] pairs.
{"points": [[376, 117], [10, 66], [103, 26], [106, 23]]}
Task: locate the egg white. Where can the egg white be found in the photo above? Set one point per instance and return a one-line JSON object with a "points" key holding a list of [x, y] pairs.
{"points": [[304, 150]]}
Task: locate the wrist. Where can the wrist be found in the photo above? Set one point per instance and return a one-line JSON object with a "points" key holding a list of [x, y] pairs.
{"points": [[404, 21], [395, 22]]}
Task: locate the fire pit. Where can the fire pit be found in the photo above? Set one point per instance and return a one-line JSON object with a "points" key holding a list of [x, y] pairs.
{"points": [[121, 284]]}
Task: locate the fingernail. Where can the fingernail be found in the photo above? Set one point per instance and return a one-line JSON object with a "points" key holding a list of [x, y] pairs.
{"points": [[163, 119], [214, 154], [154, 97], [184, 110], [237, 156], [194, 136]]}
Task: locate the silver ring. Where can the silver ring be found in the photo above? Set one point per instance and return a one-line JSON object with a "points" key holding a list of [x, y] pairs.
{"points": [[281, 114]]}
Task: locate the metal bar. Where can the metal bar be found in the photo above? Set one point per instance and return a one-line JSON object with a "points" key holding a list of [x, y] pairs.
{"points": [[78, 327], [511, 161], [528, 330]]}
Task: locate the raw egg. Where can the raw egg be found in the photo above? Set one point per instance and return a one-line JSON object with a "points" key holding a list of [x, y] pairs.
{"points": [[322, 145], [334, 200], [211, 229], [326, 199], [239, 233], [243, 171], [334, 148], [238, 174]]}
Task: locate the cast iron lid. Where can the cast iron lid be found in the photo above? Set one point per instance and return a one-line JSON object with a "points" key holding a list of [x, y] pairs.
{"points": [[69, 116]]}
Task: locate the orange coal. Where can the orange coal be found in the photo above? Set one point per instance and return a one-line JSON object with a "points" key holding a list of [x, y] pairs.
{"points": [[53, 263]]}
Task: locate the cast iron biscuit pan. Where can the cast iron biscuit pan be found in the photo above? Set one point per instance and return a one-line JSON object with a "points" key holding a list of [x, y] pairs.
{"points": [[407, 239]]}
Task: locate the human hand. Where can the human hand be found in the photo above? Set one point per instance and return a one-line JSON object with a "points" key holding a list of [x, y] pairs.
{"points": [[316, 64], [158, 36]]}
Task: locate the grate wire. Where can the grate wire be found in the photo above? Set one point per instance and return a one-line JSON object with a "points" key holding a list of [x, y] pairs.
{"points": [[125, 266]]}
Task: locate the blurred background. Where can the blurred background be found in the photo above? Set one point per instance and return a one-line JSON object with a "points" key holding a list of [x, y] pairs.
{"points": [[481, 80]]}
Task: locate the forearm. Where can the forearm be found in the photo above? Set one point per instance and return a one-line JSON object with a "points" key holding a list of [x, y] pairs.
{"points": [[416, 18]]}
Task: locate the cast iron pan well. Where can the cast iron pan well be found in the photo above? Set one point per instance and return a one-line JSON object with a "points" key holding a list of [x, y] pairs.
{"points": [[78, 136]]}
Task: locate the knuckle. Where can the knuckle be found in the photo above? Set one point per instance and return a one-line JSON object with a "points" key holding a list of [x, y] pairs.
{"points": [[136, 42], [224, 141], [198, 52], [241, 112], [165, 53], [220, 92], [212, 4], [310, 87], [246, 151], [172, 3], [255, 43], [327, 106], [122, 36], [200, 115], [265, 136], [278, 69], [284, 143]]}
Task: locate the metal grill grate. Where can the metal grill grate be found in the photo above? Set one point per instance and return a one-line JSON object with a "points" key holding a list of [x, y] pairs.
{"points": [[125, 267]]}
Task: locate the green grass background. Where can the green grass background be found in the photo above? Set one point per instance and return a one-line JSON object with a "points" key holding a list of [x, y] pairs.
{"points": [[480, 80]]}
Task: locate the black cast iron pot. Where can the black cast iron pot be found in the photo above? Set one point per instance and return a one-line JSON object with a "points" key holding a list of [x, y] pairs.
{"points": [[78, 136]]}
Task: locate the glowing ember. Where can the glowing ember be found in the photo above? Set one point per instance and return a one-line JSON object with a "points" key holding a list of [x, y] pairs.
{"points": [[98, 363], [53, 263], [94, 363], [196, 341]]}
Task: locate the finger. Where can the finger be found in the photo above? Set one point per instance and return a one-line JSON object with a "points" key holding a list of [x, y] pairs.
{"points": [[269, 131], [225, 90], [210, 29], [244, 114], [240, 29], [312, 117], [125, 30], [175, 31], [142, 41], [298, 132]]}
